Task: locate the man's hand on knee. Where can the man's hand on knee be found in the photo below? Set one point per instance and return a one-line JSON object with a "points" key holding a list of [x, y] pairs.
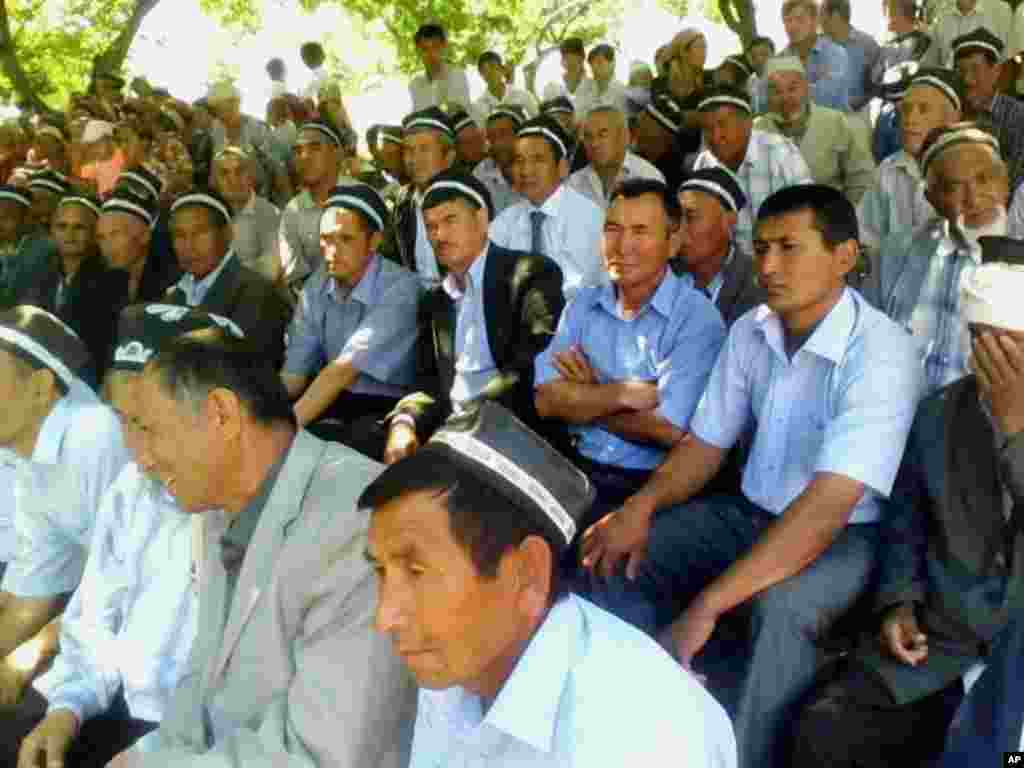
{"points": [[48, 743]]}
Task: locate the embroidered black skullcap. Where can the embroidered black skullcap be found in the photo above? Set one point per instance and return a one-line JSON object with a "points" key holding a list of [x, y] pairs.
{"points": [[429, 119], [980, 39], [123, 200], [143, 328], [364, 200], [666, 112], [946, 81], [451, 184], [512, 112], [141, 181], [83, 200], [504, 454], [19, 195], [33, 332], [549, 129], [460, 120], [726, 96], [557, 105], [719, 183], [940, 140], [204, 198], [324, 128], [49, 180]]}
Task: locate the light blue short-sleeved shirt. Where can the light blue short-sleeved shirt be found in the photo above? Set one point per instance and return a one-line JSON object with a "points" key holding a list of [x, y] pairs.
{"points": [[131, 623], [474, 363], [554, 710], [827, 72], [844, 403], [674, 341], [78, 454], [571, 233], [373, 327]]}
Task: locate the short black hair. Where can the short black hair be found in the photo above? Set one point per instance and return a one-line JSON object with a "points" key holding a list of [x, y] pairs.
{"points": [[572, 45], [275, 69], [840, 7], [483, 521], [762, 41], [487, 56], [834, 215], [430, 31], [604, 50], [633, 188], [192, 365]]}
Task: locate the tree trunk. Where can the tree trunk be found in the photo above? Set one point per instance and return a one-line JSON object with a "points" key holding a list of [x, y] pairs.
{"points": [[12, 67], [740, 18]]}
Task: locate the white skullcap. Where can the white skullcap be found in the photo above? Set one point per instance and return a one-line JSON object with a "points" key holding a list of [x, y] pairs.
{"points": [[991, 296], [95, 130], [784, 64]]}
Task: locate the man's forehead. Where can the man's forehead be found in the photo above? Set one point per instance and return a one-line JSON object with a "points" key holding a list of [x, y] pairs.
{"points": [[783, 79], [789, 225], [699, 199], [412, 524], [335, 220], [645, 209], [310, 137]]}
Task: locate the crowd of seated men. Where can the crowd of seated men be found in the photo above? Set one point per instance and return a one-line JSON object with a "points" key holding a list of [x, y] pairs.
{"points": [[647, 423]]}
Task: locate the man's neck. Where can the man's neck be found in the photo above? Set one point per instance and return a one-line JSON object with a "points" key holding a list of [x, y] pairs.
{"points": [[962, 12], [602, 85], [803, 48], [704, 272], [25, 444], [635, 297], [71, 263], [239, 205], [499, 92], [264, 448], [802, 321], [841, 34], [609, 174], [322, 190], [572, 83], [135, 270], [438, 72]]}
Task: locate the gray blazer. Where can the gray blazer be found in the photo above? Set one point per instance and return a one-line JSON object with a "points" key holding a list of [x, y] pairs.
{"points": [[297, 677], [740, 291]]}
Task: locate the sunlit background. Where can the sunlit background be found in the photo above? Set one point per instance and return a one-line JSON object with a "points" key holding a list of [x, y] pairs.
{"points": [[183, 50]]}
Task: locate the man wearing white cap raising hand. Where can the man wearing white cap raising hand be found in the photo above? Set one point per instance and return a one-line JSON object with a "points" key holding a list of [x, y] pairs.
{"points": [[952, 558]]}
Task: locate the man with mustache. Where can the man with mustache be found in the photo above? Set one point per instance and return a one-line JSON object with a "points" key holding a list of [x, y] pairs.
{"points": [[481, 329]]}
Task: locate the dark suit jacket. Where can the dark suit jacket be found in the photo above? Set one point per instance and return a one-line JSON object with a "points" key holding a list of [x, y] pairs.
{"points": [[947, 545], [252, 302], [990, 719], [739, 292], [400, 239], [91, 305], [522, 304]]}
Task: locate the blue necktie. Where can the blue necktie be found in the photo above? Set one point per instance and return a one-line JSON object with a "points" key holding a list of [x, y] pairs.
{"points": [[536, 236]]}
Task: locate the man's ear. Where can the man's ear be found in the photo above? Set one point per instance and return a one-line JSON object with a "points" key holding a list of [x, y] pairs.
{"points": [[223, 411], [563, 168], [533, 563], [375, 240], [846, 256]]}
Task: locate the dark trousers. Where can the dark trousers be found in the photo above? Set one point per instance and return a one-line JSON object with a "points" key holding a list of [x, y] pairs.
{"points": [[851, 721], [357, 421], [612, 486], [98, 741]]}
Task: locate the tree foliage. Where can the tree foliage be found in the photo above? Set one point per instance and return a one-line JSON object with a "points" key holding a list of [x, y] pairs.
{"points": [[521, 29], [738, 15]]}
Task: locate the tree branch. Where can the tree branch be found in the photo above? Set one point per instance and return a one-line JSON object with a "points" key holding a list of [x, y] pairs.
{"points": [[113, 57]]}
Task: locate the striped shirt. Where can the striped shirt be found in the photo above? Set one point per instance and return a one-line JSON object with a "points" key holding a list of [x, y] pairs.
{"points": [[895, 202], [772, 162]]}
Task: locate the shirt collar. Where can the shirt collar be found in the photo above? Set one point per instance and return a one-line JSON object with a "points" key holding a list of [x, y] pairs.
{"points": [[552, 206], [663, 301], [51, 434], [829, 340], [189, 284], [250, 207], [242, 528], [474, 278], [904, 159], [527, 706]]}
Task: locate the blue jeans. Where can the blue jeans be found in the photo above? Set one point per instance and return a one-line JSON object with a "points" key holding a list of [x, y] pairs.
{"points": [[764, 655]]}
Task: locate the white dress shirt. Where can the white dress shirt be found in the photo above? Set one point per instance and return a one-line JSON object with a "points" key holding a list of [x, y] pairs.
{"points": [[451, 88], [588, 183], [132, 620], [483, 106], [557, 707], [571, 234], [588, 97], [78, 454], [474, 363]]}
